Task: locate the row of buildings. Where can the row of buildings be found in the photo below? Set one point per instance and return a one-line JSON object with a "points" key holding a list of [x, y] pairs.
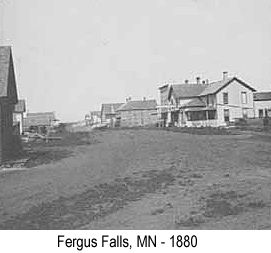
{"points": [[198, 104]]}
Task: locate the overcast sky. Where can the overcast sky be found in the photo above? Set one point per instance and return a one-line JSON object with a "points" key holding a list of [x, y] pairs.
{"points": [[73, 55]]}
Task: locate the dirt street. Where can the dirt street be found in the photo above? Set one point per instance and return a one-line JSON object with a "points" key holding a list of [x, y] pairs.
{"points": [[142, 179]]}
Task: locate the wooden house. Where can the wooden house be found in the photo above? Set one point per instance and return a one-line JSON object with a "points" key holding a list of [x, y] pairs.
{"points": [[109, 114], [214, 104], [9, 144], [40, 122], [138, 113]]}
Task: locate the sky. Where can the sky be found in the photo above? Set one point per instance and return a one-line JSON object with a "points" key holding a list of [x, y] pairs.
{"points": [[72, 56]]}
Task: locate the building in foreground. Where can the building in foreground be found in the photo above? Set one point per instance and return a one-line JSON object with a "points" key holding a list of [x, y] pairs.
{"points": [[212, 104], [39, 122], [18, 116], [262, 104], [138, 113], [9, 144]]}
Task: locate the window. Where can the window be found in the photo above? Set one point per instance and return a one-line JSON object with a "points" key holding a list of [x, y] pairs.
{"points": [[225, 98], [226, 115], [197, 115], [244, 113], [212, 114], [260, 113], [244, 97]]}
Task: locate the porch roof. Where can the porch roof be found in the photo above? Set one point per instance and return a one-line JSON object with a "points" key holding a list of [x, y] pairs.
{"points": [[199, 109], [195, 102]]}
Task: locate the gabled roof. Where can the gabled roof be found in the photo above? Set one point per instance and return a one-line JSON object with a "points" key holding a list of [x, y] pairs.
{"points": [[262, 96], [110, 108], [39, 119], [215, 87], [7, 75], [186, 90], [20, 106], [192, 90], [139, 105]]}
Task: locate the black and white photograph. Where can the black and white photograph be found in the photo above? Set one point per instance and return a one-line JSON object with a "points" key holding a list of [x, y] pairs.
{"points": [[135, 115]]}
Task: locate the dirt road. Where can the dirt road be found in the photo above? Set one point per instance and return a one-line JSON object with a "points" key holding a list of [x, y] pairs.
{"points": [[145, 179]]}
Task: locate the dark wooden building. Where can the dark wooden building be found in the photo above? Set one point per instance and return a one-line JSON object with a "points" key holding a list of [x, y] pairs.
{"points": [[138, 113], [8, 99]]}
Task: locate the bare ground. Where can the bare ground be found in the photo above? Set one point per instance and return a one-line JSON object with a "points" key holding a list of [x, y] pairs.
{"points": [[142, 179]]}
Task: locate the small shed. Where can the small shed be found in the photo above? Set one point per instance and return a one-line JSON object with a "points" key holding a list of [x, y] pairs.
{"points": [[9, 144]]}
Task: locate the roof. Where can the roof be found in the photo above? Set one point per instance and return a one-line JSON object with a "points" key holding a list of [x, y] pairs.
{"points": [[6, 73], [20, 106], [215, 87], [39, 119], [187, 90], [110, 108], [262, 96], [195, 102], [139, 105], [190, 90]]}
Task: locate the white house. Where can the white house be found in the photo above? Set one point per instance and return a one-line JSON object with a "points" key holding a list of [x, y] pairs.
{"points": [[212, 104], [262, 104]]}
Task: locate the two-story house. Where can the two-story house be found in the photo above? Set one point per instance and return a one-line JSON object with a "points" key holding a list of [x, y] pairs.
{"points": [[212, 104]]}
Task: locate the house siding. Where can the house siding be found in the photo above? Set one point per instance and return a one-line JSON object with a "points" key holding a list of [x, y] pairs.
{"points": [[8, 145], [235, 105]]}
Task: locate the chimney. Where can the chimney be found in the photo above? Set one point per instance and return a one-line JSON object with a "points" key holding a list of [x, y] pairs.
{"points": [[225, 75], [198, 80], [144, 98], [186, 81], [207, 81]]}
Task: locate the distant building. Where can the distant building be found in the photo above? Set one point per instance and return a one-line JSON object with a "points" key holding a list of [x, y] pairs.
{"points": [[212, 104], [9, 144], [40, 122], [138, 113], [18, 116], [163, 108], [262, 104], [109, 114], [95, 117]]}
